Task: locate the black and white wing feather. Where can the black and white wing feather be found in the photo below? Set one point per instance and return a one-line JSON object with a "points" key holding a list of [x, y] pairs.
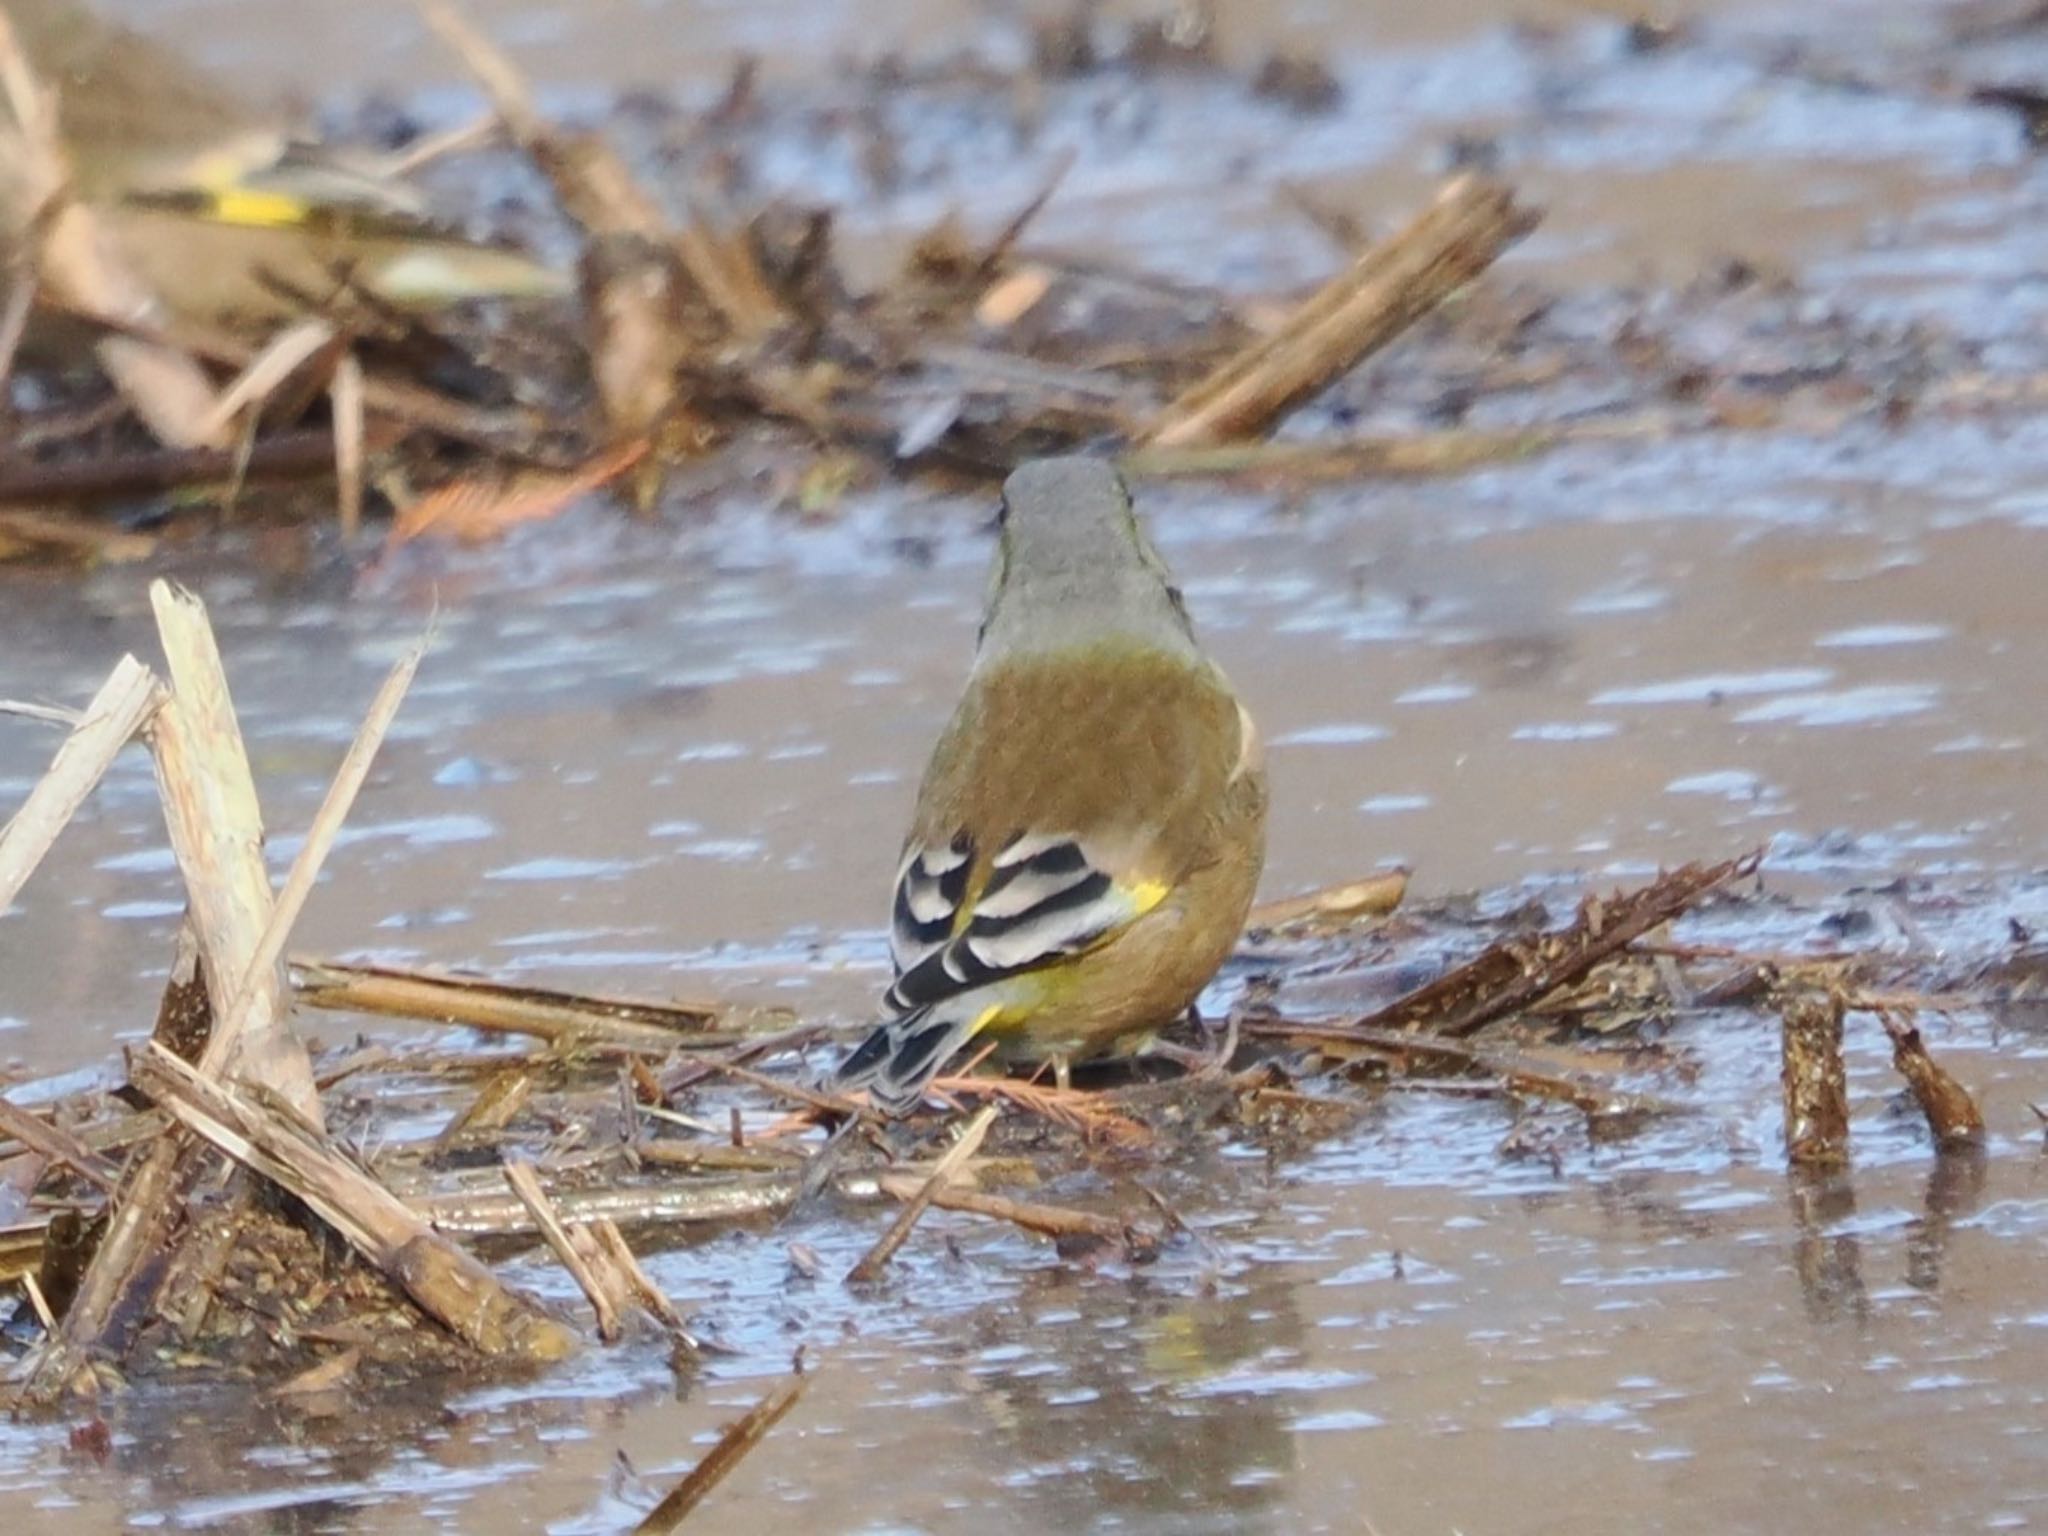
{"points": [[1044, 897]]}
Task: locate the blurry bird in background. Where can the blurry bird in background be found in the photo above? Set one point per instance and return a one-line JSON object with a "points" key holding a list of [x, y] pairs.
{"points": [[222, 211]]}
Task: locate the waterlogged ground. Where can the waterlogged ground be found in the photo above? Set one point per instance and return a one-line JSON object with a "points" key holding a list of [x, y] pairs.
{"points": [[675, 758]]}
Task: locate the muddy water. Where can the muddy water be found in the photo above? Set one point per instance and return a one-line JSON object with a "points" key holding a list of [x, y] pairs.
{"points": [[674, 759]]}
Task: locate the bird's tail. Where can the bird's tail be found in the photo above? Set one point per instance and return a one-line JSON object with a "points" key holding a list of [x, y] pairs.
{"points": [[901, 1055]]}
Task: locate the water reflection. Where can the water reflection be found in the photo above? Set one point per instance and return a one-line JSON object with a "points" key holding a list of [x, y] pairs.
{"points": [[1827, 1248], [1955, 1188], [1145, 1406], [1826, 1255]]}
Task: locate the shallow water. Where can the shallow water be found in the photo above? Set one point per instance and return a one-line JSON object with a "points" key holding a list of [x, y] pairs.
{"points": [[673, 759]]}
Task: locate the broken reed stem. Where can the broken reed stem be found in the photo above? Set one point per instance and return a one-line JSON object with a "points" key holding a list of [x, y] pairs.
{"points": [[123, 705], [351, 431], [565, 1019], [740, 1437], [57, 1144], [447, 1282], [260, 986], [306, 454], [1374, 896], [1356, 313], [1517, 1072], [639, 1283], [1815, 1084], [497, 1213], [1515, 973], [1952, 1114], [877, 1258], [603, 1289], [216, 830], [1047, 1220]]}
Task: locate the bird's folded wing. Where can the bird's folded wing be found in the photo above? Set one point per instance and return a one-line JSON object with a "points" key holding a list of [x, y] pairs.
{"points": [[1044, 896]]}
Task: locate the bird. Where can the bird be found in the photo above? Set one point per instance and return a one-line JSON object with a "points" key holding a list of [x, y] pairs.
{"points": [[1092, 823], [225, 213]]}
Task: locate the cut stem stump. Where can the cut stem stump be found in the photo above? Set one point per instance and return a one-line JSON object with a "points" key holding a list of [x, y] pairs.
{"points": [[1815, 1084]]}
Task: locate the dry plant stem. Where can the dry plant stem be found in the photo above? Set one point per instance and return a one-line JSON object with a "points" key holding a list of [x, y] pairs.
{"points": [[497, 1213], [449, 1284], [1518, 1073], [216, 833], [1374, 896], [267, 372], [1952, 1114], [75, 535], [877, 1258], [350, 429], [1515, 973], [1046, 1220], [740, 1437], [1815, 1084], [76, 263], [103, 1309], [601, 1283], [641, 1284], [216, 830], [630, 295], [21, 298], [495, 1106], [1414, 454], [261, 984], [55, 1143], [303, 455], [1356, 313], [562, 1018], [123, 705]]}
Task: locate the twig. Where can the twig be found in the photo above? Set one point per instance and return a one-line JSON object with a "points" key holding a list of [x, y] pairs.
{"points": [[603, 1285], [298, 455], [258, 988], [350, 432], [630, 269], [1384, 292], [876, 1259], [1075, 1108], [55, 1143], [740, 1437], [123, 705], [21, 298], [1374, 896], [567, 1019], [1513, 974], [264, 374], [1518, 1072], [75, 535], [37, 1300], [449, 1284], [496, 1213], [639, 1283], [495, 1106], [1046, 1220]]}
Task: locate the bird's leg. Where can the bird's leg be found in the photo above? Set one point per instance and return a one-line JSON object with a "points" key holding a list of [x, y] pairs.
{"points": [[1191, 1059], [1062, 1073]]}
